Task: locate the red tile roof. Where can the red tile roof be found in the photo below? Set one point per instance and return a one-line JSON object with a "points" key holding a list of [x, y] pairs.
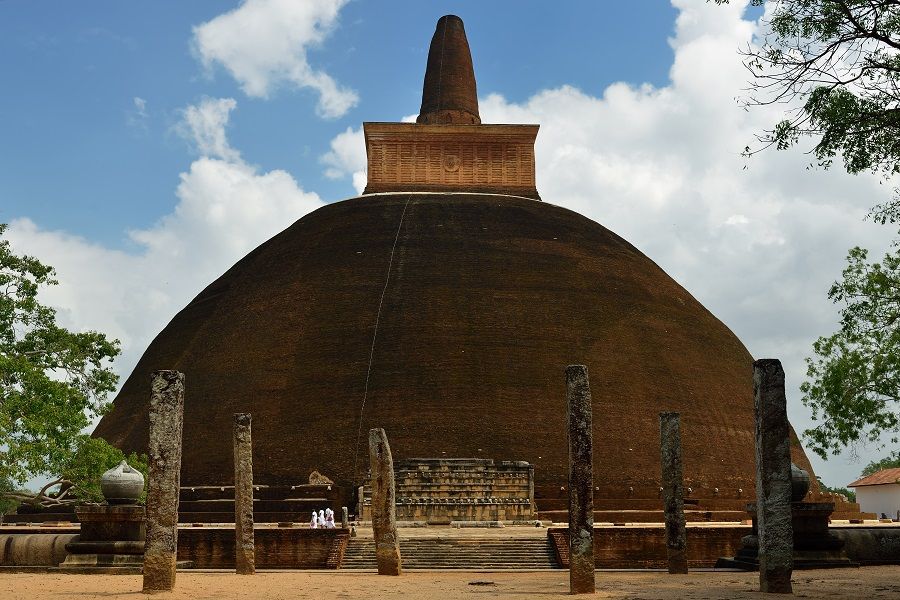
{"points": [[879, 478]]}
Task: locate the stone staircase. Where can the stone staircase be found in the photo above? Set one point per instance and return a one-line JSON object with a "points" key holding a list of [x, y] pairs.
{"points": [[473, 553]]}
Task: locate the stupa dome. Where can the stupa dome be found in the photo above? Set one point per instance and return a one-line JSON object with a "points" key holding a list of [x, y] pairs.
{"points": [[445, 311]]}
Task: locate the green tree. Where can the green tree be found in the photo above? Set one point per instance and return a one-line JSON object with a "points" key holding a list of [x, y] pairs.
{"points": [[835, 66], [849, 494], [889, 462], [53, 382], [93, 457], [853, 382]]}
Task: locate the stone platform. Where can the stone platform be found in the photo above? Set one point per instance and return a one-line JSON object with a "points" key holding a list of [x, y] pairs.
{"points": [[441, 490], [625, 546]]}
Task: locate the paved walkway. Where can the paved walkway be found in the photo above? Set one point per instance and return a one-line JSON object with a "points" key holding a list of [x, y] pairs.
{"points": [[870, 583]]}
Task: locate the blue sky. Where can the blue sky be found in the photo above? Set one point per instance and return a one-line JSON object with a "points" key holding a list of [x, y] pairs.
{"points": [[75, 143], [145, 147]]}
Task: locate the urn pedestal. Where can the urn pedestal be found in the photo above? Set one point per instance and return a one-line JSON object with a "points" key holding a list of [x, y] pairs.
{"points": [[814, 546], [111, 540]]}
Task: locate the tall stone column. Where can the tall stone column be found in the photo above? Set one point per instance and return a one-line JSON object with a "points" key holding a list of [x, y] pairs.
{"points": [[244, 551], [673, 490], [581, 480], [384, 515], [773, 478], [164, 480]]}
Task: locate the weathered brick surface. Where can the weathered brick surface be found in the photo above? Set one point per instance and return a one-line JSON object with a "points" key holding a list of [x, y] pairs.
{"points": [[645, 547], [276, 548]]}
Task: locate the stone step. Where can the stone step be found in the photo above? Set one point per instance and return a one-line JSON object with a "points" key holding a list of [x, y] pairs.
{"points": [[258, 517], [262, 492], [290, 505], [647, 516], [452, 553]]}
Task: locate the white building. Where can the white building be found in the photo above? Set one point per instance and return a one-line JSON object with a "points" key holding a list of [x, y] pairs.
{"points": [[879, 493]]}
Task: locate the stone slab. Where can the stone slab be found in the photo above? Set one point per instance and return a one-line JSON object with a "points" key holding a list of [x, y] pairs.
{"points": [[164, 453], [773, 478], [384, 518], [581, 480]]}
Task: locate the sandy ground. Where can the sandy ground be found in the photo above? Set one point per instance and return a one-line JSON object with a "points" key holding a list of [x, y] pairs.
{"points": [[867, 583]]}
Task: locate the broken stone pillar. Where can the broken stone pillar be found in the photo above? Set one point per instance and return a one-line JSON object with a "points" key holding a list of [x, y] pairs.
{"points": [[384, 517], [345, 517], [673, 490], [244, 553], [164, 480], [773, 478], [581, 481]]}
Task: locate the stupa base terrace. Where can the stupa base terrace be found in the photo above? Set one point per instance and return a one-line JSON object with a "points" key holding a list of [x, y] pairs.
{"points": [[441, 491], [516, 548]]}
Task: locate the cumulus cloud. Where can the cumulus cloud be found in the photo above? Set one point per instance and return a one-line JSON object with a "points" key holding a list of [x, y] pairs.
{"points": [[204, 124], [225, 208], [662, 167], [347, 157], [263, 45], [136, 116]]}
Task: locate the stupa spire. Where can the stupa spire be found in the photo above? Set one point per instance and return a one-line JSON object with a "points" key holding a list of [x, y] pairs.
{"points": [[449, 95]]}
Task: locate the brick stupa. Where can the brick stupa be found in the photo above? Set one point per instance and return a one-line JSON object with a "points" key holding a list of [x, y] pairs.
{"points": [[481, 295]]}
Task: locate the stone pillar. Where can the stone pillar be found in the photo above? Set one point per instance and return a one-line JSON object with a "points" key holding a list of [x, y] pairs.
{"points": [[773, 478], [164, 480], [673, 490], [384, 515], [244, 552], [581, 480], [345, 517]]}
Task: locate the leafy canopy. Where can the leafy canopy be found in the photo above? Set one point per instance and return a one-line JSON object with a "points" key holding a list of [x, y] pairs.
{"points": [[835, 65], [53, 382], [889, 462], [853, 383], [92, 458], [847, 493]]}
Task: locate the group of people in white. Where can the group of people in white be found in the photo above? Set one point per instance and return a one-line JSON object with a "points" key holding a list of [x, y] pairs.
{"points": [[324, 519]]}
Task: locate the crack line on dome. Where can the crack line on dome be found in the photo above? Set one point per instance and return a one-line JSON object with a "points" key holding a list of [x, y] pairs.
{"points": [[387, 280]]}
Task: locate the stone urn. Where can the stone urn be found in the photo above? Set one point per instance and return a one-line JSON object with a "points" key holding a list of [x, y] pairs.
{"points": [[122, 484], [799, 483]]}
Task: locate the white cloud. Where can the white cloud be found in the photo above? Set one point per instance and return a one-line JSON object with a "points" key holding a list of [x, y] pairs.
{"points": [[204, 126], [263, 44], [662, 167], [225, 208], [140, 106], [347, 157], [136, 116]]}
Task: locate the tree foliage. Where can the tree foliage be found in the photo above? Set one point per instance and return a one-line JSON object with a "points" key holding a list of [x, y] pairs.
{"points": [[847, 493], [53, 382], [853, 384], [888, 462], [92, 458], [836, 63], [835, 66]]}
